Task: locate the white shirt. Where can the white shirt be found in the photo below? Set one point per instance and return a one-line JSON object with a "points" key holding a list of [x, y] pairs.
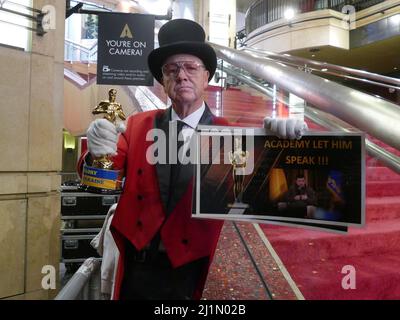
{"points": [[191, 121]]}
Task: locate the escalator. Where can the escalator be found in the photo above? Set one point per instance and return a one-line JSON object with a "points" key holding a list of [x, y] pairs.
{"points": [[316, 261]]}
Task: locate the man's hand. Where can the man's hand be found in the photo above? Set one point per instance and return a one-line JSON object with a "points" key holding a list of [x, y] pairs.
{"points": [[285, 128], [102, 137]]}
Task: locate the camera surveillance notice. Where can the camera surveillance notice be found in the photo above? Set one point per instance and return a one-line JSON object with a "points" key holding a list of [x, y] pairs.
{"points": [[125, 41]]}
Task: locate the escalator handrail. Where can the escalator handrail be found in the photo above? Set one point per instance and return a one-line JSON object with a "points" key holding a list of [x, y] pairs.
{"points": [[388, 158], [301, 62], [378, 117]]}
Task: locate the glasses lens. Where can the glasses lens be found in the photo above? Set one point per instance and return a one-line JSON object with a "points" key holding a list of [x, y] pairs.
{"points": [[191, 67], [172, 69]]}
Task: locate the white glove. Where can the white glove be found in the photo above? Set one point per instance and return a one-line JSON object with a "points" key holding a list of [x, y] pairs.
{"points": [[102, 137], [285, 128]]}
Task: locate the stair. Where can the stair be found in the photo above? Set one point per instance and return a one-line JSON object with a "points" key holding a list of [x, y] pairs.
{"points": [[376, 278], [239, 107], [315, 259]]}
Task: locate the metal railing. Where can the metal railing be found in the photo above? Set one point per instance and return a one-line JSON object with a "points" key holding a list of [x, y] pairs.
{"points": [[84, 284], [375, 116], [148, 100], [30, 14], [263, 12], [377, 152], [77, 52], [332, 69], [321, 118]]}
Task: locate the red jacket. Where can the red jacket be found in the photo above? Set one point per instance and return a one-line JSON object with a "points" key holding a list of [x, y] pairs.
{"points": [[141, 211]]}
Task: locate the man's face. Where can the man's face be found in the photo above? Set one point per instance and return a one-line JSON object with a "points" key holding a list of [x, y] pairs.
{"points": [[185, 87], [301, 182]]}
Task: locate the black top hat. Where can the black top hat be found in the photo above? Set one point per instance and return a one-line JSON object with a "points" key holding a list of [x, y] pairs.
{"points": [[181, 36]]}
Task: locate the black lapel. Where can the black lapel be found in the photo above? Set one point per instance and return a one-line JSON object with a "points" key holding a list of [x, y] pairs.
{"points": [[208, 117], [187, 171], [163, 170]]}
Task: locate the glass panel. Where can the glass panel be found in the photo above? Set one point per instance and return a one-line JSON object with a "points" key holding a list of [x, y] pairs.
{"points": [[13, 30]]}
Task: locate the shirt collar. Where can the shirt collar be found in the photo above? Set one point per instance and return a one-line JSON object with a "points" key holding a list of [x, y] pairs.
{"points": [[193, 119]]}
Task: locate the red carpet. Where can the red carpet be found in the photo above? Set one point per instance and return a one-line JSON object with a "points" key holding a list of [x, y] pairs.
{"points": [[315, 259]]}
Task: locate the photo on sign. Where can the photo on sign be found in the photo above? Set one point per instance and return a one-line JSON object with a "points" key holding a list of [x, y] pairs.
{"points": [[245, 174]]}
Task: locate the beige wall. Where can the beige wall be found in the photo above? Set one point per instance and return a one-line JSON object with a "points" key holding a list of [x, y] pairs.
{"points": [[312, 29], [31, 90], [377, 12], [316, 29]]}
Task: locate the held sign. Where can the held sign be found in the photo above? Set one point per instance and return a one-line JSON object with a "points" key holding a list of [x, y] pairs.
{"points": [[125, 41]]}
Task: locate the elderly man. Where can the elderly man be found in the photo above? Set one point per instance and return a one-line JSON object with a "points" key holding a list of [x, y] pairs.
{"points": [[164, 253]]}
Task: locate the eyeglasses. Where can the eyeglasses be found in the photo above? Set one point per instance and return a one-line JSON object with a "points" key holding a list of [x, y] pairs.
{"points": [[172, 69]]}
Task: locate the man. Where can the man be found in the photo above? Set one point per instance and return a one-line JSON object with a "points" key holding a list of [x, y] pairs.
{"points": [[164, 253], [300, 198]]}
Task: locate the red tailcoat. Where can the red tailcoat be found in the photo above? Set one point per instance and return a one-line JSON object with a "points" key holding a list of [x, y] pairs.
{"points": [[140, 212]]}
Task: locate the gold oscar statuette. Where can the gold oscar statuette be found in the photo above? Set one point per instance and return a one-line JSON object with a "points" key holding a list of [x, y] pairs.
{"points": [[238, 159], [101, 177]]}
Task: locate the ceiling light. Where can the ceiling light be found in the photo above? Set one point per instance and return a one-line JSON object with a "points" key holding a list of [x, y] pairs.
{"points": [[324, 70], [289, 14], [395, 18]]}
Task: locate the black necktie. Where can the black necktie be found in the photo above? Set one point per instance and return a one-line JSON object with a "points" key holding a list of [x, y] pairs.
{"points": [[175, 167], [179, 144]]}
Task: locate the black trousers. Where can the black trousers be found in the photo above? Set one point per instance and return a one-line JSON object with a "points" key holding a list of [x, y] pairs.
{"points": [[150, 276]]}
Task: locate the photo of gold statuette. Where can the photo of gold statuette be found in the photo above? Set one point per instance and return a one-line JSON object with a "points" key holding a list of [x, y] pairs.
{"points": [[238, 158], [101, 177]]}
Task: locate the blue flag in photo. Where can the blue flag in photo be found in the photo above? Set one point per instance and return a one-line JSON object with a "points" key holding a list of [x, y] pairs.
{"points": [[334, 184]]}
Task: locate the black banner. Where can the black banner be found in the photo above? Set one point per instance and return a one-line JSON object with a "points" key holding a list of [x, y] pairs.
{"points": [[125, 41], [318, 180]]}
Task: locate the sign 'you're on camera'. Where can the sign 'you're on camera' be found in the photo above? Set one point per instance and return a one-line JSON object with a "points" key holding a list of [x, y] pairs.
{"points": [[125, 41]]}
